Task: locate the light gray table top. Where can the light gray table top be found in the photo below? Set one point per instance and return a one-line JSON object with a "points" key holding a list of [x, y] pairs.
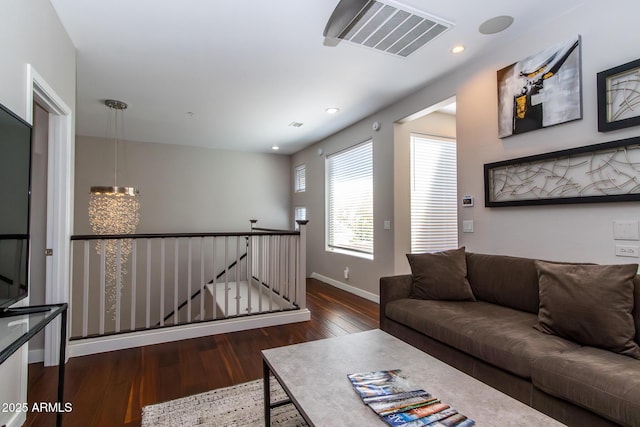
{"points": [[314, 374]]}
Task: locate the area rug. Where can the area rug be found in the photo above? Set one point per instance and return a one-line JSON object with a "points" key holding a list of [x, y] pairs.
{"points": [[239, 405]]}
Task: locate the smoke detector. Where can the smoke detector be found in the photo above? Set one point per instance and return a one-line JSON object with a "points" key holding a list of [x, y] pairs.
{"points": [[386, 26]]}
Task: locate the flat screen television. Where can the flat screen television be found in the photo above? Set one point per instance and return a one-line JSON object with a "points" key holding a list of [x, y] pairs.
{"points": [[15, 192]]}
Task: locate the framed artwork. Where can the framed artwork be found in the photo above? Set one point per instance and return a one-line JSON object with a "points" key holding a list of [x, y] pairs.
{"points": [[541, 90], [608, 172], [619, 97]]}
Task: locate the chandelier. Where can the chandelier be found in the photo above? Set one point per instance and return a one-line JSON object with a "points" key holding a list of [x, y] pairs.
{"points": [[114, 210]]}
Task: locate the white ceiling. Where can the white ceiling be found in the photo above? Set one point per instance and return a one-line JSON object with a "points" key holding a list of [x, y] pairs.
{"points": [[248, 68]]}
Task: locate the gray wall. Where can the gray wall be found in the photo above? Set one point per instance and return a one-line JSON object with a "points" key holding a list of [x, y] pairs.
{"points": [[31, 34], [186, 189], [364, 273], [573, 233]]}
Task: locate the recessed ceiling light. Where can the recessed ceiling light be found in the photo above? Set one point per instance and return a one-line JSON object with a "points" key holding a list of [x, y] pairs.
{"points": [[496, 24], [457, 49], [332, 110], [275, 148]]}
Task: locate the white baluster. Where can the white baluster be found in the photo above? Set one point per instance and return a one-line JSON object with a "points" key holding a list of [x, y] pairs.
{"points": [[148, 307], [162, 273], [260, 274], [189, 259], [202, 289], [85, 293], [226, 275], [249, 264], [134, 273], [214, 287], [118, 285], [238, 275], [103, 279], [176, 254]]}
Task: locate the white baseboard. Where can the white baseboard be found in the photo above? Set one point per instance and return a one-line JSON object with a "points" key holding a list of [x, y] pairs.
{"points": [[351, 289], [157, 336], [36, 355]]}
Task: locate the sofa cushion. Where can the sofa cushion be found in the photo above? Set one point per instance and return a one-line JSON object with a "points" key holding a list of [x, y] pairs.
{"points": [[504, 280], [440, 276], [601, 381], [497, 335], [590, 304]]}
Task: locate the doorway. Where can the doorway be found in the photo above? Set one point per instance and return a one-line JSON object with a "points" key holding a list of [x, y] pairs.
{"points": [[38, 220], [59, 198], [438, 124]]}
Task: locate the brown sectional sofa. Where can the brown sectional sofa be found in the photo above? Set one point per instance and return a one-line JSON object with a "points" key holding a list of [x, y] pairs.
{"points": [[493, 339]]}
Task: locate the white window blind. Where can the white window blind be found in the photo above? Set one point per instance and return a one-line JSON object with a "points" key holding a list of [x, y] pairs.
{"points": [[300, 179], [434, 209], [350, 200], [300, 213]]}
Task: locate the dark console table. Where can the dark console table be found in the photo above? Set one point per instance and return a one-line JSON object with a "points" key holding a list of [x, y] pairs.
{"points": [[19, 325]]}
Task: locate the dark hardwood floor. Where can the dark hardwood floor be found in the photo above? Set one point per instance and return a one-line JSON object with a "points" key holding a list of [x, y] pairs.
{"points": [[109, 389]]}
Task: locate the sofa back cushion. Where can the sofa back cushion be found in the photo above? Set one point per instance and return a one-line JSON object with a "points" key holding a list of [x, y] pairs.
{"points": [[504, 280], [589, 304]]}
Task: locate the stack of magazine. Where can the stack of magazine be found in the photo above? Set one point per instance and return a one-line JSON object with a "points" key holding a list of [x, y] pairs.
{"points": [[400, 404]]}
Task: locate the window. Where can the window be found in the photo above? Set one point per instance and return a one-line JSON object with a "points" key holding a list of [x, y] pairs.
{"points": [[350, 200], [299, 213], [300, 179], [434, 209]]}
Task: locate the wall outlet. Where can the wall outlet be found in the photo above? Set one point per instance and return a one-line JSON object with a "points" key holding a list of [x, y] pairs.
{"points": [[630, 251], [346, 272]]}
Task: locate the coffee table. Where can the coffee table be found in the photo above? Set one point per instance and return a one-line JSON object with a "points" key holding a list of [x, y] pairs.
{"points": [[314, 376]]}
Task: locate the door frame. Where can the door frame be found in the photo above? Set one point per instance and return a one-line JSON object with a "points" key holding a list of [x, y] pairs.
{"points": [[59, 199]]}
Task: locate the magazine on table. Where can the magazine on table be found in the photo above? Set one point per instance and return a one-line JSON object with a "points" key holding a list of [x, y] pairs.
{"points": [[432, 419], [402, 418], [380, 383], [400, 404]]}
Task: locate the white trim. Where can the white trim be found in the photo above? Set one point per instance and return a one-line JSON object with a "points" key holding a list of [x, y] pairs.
{"points": [[351, 289], [59, 199], [157, 336], [36, 355]]}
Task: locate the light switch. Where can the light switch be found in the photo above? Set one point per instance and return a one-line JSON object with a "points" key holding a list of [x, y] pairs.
{"points": [[467, 226], [626, 230], [387, 225]]}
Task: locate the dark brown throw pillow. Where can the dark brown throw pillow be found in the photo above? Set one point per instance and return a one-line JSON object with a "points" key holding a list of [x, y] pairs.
{"points": [[589, 304], [440, 276]]}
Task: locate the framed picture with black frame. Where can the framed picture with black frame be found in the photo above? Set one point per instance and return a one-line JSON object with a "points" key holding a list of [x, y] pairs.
{"points": [[619, 97], [606, 172]]}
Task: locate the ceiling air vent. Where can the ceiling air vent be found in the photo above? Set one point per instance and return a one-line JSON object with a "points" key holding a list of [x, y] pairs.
{"points": [[383, 25]]}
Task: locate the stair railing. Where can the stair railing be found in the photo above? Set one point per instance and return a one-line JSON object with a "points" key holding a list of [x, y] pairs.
{"points": [[163, 282]]}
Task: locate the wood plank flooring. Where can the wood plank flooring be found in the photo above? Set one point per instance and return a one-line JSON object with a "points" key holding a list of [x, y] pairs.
{"points": [[109, 389]]}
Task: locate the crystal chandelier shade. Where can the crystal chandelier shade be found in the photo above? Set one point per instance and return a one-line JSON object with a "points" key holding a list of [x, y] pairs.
{"points": [[114, 210]]}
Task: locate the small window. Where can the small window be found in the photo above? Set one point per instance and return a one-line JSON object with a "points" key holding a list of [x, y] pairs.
{"points": [[300, 213], [300, 179], [350, 201]]}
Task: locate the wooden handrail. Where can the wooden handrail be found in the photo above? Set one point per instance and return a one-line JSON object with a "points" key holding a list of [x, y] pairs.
{"points": [[179, 235]]}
